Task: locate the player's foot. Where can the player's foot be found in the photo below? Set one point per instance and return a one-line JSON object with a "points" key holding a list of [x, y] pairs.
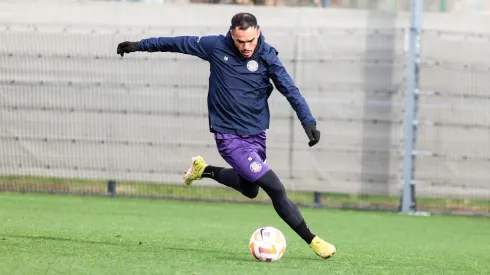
{"points": [[322, 248], [195, 171]]}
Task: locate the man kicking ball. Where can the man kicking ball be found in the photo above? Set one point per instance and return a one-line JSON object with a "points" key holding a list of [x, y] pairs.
{"points": [[241, 64]]}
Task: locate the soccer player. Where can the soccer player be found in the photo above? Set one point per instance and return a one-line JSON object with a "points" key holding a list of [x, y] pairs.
{"points": [[241, 65]]}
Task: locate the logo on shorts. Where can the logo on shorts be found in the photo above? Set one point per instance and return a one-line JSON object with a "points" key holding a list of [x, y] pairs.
{"points": [[255, 167], [252, 65]]}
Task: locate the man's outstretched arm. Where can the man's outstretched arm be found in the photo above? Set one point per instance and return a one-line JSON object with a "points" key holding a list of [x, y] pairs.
{"points": [[285, 84], [200, 46]]}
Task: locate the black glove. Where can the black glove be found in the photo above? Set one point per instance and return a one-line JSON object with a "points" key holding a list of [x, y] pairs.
{"points": [[313, 134], [127, 47]]}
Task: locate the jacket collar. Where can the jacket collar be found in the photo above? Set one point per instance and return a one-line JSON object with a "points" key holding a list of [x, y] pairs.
{"points": [[259, 48]]}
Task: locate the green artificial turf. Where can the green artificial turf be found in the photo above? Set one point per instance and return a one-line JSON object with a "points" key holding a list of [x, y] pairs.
{"points": [[61, 234]]}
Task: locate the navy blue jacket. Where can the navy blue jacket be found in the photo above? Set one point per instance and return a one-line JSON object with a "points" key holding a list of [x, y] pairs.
{"points": [[238, 87]]}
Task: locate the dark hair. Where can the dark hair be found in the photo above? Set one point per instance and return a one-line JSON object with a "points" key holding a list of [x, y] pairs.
{"points": [[243, 21]]}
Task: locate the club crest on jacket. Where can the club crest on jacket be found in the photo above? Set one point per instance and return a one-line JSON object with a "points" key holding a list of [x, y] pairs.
{"points": [[252, 65]]}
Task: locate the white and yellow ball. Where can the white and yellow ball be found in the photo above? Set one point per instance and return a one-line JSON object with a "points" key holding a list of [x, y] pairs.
{"points": [[267, 244]]}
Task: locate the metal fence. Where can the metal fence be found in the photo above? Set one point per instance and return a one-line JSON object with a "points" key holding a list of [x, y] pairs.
{"points": [[78, 119]]}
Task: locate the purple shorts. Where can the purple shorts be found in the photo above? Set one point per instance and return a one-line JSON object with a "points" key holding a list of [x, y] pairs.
{"points": [[245, 154]]}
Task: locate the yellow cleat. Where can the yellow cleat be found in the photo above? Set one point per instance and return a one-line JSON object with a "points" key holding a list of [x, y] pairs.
{"points": [[195, 171], [322, 248]]}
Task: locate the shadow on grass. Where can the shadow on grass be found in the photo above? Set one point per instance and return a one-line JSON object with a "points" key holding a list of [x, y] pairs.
{"points": [[251, 259], [221, 253], [155, 246], [50, 238], [190, 249]]}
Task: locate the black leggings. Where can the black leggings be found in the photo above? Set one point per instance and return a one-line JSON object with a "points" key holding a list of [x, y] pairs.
{"points": [[271, 184]]}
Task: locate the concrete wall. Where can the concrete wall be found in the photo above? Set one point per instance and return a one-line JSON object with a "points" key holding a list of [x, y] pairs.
{"points": [[71, 107]]}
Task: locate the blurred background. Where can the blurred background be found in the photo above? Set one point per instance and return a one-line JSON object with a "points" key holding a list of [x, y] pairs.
{"points": [[387, 5], [75, 118]]}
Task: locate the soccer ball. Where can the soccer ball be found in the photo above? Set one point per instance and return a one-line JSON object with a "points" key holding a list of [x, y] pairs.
{"points": [[267, 244]]}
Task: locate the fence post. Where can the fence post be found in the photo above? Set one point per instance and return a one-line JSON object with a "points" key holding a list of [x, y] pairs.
{"points": [[292, 114], [317, 199], [111, 188], [411, 104]]}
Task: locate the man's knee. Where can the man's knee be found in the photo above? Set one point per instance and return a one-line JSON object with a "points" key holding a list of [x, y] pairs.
{"points": [[252, 193], [250, 189]]}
